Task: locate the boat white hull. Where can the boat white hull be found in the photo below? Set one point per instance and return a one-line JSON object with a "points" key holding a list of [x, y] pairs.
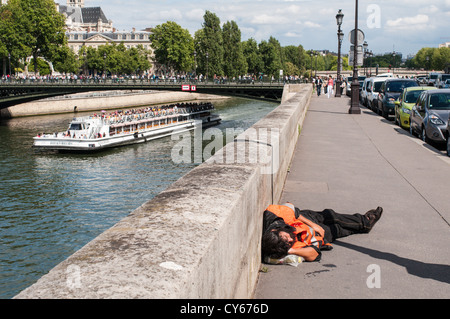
{"points": [[92, 145]]}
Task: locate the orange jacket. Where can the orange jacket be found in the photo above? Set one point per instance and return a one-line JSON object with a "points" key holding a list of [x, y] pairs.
{"points": [[305, 235]]}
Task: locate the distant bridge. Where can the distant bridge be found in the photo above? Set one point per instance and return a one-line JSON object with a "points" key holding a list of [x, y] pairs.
{"points": [[12, 93]]}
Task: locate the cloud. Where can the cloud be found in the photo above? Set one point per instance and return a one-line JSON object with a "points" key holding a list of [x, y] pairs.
{"points": [[419, 22], [310, 24], [292, 35], [264, 19]]}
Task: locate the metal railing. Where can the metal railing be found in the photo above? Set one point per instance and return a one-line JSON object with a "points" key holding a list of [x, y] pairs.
{"points": [[149, 82]]}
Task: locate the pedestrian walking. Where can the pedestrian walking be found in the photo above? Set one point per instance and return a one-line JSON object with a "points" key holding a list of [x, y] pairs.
{"points": [[319, 84], [330, 85]]}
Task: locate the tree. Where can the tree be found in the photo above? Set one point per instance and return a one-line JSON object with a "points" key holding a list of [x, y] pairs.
{"points": [[251, 53], [234, 61], [294, 55], [43, 66], [271, 56], [11, 41], [173, 46], [114, 58], [212, 43], [291, 69], [40, 27], [65, 60]]}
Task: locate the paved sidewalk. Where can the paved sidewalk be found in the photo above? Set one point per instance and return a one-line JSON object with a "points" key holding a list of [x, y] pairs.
{"points": [[353, 163]]}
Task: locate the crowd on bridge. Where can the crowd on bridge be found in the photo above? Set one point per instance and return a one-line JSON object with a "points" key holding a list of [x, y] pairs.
{"points": [[147, 78]]}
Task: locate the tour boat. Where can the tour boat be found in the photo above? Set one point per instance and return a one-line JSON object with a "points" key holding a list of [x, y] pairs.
{"points": [[118, 128]]}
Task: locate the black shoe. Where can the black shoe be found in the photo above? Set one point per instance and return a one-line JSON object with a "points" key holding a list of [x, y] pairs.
{"points": [[373, 216]]}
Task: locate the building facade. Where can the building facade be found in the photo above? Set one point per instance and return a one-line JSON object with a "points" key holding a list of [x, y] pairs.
{"points": [[80, 18], [89, 27], [79, 39]]}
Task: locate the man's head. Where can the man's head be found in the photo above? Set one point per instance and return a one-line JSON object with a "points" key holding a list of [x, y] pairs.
{"points": [[276, 242]]}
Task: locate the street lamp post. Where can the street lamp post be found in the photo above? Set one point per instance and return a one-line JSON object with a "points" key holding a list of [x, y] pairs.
{"points": [[104, 72], [339, 18], [354, 106], [195, 64], [9, 60], [393, 63], [84, 63], [365, 45], [316, 54], [207, 66]]}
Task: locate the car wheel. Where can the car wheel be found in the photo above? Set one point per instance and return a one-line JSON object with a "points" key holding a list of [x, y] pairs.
{"points": [[411, 130], [384, 113], [424, 135]]}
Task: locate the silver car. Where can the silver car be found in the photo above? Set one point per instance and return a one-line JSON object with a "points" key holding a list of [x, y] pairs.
{"points": [[429, 117]]}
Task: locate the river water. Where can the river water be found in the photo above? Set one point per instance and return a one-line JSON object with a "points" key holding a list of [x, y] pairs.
{"points": [[52, 204]]}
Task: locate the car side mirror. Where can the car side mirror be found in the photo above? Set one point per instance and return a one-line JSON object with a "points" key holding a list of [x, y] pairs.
{"points": [[397, 102]]}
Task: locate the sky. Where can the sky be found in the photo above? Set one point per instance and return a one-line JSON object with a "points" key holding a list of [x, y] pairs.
{"points": [[403, 26]]}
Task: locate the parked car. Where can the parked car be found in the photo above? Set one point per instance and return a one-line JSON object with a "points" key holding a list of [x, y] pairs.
{"points": [[433, 78], [373, 89], [445, 85], [349, 81], [363, 92], [389, 92], [405, 103], [422, 80], [443, 81], [429, 116]]}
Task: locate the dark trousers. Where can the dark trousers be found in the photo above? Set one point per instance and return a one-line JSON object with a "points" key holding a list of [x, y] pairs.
{"points": [[336, 225]]}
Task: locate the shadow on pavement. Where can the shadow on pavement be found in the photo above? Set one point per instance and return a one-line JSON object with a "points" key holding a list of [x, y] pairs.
{"points": [[417, 268]]}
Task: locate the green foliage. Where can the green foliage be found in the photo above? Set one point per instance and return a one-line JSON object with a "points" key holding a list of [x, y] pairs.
{"points": [[37, 27], [212, 43], [44, 67], [255, 64], [115, 59], [271, 56], [385, 61], [431, 59], [173, 46], [65, 60], [235, 63]]}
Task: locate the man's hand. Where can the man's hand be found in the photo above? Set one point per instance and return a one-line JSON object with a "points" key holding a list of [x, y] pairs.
{"points": [[318, 229], [313, 225]]}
